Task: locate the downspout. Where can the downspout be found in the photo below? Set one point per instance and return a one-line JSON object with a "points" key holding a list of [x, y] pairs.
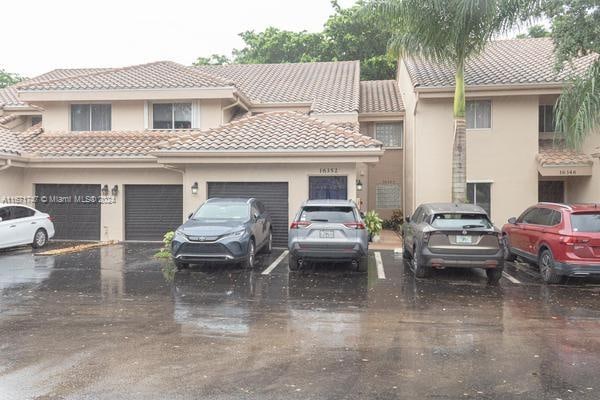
{"points": [[414, 160], [237, 103], [7, 165]]}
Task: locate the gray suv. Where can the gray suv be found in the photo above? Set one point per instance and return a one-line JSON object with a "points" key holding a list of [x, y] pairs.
{"points": [[449, 235], [328, 230], [223, 230]]}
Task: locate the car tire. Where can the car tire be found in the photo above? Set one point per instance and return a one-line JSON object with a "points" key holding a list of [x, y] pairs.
{"points": [[181, 265], [547, 270], [419, 270], [508, 255], [248, 263], [293, 263], [494, 275], [40, 239], [363, 264], [269, 245]]}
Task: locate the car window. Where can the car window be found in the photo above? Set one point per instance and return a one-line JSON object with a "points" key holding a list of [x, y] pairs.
{"points": [[541, 216], [460, 221], [235, 211], [261, 207], [327, 214], [418, 215], [22, 212], [586, 222], [556, 218], [5, 213], [527, 216]]}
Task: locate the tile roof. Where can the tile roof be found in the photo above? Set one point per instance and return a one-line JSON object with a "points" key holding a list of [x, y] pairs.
{"points": [[380, 96], [9, 97], [514, 61], [273, 131], [555, 154], [329, 87], [9, 142], [161, 74], [5, 119], [38, 143]]}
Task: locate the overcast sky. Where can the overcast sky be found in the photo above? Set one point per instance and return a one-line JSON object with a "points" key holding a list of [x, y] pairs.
{"points": [[40, 35]]}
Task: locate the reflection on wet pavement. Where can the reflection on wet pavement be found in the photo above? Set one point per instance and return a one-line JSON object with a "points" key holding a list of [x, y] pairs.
{"points": [[115, 323]]}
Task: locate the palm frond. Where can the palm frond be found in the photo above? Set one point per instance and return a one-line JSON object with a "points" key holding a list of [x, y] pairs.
{"points": [[578, 109]]}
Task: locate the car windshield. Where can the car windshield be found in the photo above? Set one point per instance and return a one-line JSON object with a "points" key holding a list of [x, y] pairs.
{"points": [[235, 211], [586, 222], [460, 221], [328, 214]]}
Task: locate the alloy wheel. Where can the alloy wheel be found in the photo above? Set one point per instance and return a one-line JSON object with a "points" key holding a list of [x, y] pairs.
{"points": [[270, 246], [251, 254], [40, 238], [545, 267]]}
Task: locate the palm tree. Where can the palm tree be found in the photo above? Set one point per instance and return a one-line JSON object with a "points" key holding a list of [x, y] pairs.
{"points": [[450, 32]]}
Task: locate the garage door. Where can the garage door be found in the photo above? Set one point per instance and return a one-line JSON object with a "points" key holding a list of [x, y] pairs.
{"points": [[75, 215], [274, 195], [152, 210]]}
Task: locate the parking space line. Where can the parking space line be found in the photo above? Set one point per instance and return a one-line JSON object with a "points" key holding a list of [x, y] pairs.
{"points": [[511, 278], [275, 263], [379, 263]]}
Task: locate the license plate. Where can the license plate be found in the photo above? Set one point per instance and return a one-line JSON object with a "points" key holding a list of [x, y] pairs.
{"points": [[326, 234], [464, 240]]}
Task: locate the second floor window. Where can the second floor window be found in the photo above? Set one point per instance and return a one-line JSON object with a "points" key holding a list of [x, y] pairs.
{"points": [[90, 117], [546, 116], [480, 194], [172, 116], [390, 134], [479, 114]]}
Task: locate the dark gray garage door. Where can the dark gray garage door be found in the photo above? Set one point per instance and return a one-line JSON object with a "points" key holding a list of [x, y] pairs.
{"points": [[152, 210], [73, 210], [274, 195]]}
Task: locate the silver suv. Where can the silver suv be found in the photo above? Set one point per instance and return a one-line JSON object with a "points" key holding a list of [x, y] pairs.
{"points": [[328, 230]]}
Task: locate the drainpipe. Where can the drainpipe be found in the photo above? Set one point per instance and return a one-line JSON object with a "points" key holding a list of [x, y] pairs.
{"points": [[7, 165]]}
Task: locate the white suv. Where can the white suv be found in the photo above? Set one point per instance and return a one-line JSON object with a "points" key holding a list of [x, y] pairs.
{"points": [[20, 225]]}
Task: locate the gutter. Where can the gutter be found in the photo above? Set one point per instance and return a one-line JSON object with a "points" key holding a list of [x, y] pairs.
{"points": [[7, 165]]}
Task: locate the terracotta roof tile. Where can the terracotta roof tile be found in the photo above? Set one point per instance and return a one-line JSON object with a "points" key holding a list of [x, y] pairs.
{"points": [[555, 154], [38, 143], [514, 61], [380, 96], [329, 86], [5, 119], [161, 74], [9, 142], [273, 131]]}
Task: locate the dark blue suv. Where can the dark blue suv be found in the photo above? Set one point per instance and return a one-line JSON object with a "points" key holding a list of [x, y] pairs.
{"points": [[224, 230]]}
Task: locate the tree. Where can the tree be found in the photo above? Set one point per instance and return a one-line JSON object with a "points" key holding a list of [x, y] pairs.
{"points": [[7, 79], [449, 32], [348, 34], [535, 31], [576, 33], [215, 59]]}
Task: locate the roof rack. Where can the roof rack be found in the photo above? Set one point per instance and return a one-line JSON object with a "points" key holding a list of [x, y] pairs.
{"points": [[568, 207]]}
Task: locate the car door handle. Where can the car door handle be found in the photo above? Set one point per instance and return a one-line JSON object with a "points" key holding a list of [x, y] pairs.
{"points": [[33, 222], [12, 226]]}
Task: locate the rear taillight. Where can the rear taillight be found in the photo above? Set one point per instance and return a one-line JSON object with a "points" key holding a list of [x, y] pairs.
{"points": [[355, 225], [426, 237], [50, 218], [573, 240], [299, 224]]}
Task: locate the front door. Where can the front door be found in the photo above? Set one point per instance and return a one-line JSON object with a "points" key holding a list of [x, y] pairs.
{"points": [[328, 187], [551, 191]]}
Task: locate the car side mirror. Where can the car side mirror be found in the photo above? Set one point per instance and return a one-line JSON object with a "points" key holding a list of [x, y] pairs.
{"points": [[256, 216], [190, 215], [0, 219], [512, 220], [362, 215], [407, 218]]}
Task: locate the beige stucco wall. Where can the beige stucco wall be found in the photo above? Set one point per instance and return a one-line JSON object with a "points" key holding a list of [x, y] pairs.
{"points": [[11, 183], [295, 174], [586, 189], [126, 115], [112, 215], [410, 101], [503, 155]]}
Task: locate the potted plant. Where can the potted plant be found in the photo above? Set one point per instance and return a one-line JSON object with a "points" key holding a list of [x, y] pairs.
{"points": [[374, 225]]}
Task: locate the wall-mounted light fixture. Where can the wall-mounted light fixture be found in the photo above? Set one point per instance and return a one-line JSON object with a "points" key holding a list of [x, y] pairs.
{"points": [[115, 190], [359, 185], [105, 190], [195, 188]]}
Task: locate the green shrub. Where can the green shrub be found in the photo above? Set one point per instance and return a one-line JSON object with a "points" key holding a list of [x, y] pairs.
{"points": [[373, 222], [395, 222], [165, 252]]}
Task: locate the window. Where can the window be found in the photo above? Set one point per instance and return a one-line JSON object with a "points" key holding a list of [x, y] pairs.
{"points": [[417, 217], [327, 214], [546, 120], [586, 222], [90, 117], [390, 134], [387, 196], [223, 211], [479, 114], [460, 221], [36, 119], [21, 212], [4, 214], [172, 116], [480, 194]]}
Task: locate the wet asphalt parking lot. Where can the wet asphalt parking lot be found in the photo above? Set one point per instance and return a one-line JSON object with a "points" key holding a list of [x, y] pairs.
{"points": [[115, 323]]}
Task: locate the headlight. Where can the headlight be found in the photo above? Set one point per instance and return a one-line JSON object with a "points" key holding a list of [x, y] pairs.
{"points": [[235, 234], [179, 235]]}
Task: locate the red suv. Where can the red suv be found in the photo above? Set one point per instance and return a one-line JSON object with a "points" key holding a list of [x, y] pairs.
{"points": [[563, 240]]}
